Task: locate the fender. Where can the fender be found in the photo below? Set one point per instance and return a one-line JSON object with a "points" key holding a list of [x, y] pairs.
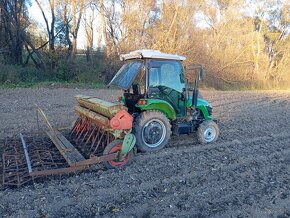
{"points": [[158, 104], [204, 112], [202, 106]]}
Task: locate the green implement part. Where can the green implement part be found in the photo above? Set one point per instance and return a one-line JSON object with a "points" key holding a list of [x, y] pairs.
{"points": [[105, 108], [128, 143]]}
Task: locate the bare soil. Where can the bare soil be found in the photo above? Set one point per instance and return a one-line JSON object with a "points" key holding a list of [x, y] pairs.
{"points": [[246, 173]]}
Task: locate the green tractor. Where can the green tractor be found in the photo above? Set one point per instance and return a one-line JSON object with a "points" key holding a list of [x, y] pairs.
{"points": [[157, 102], [158, 96]]}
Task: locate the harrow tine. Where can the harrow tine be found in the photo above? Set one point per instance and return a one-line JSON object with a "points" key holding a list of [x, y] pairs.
{"points": [[95, 137], [92, 145], [81, 129], [93, 130], [74, 127], [87, 132], [99, 141], [84, 131]]}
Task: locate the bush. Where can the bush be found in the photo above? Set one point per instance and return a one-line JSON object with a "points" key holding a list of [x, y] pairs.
{"points": [[79, 71], [17, 74]]}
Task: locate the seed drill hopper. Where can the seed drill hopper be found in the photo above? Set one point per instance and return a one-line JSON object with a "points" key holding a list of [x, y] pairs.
{"points": [[101, 134]]}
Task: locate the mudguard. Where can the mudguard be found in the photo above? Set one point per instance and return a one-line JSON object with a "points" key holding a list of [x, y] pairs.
{"points": [[128, 143], [160, 105]]}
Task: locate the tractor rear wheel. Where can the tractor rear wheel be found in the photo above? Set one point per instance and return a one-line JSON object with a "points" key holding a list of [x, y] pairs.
{"points": [[115, 147], [152, 130], [207, 132]]}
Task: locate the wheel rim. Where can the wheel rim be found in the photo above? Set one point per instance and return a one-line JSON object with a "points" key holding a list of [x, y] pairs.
{"points": [[209, 134], [153, 133], [116, 163]]}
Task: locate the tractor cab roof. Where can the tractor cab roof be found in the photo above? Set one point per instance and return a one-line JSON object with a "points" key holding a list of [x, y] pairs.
{"points": [[152, 54]]}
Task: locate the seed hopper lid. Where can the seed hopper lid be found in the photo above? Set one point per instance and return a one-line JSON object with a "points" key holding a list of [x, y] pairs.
{"points": [[105, 108]]}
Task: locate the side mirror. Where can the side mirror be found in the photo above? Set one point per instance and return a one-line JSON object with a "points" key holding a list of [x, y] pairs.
{"points": [[201, 73]]}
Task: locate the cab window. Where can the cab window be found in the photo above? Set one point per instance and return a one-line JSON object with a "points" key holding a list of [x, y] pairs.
{"points": [[166, 73]]}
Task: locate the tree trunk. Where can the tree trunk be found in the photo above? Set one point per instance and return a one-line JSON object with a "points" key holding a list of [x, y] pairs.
{"points": [[89, 35], [76, 25], [104, 26], [12, 25]]}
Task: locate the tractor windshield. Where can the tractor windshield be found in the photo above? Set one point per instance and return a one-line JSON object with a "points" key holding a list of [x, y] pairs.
{"points": [[126, 75]]}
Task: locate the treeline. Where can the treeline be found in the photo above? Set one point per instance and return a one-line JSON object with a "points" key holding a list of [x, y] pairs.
{"points": [[241, 43]]}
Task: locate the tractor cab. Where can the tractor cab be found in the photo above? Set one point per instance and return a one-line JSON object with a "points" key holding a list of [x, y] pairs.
{"points": [[152, 75], [157, 95]]}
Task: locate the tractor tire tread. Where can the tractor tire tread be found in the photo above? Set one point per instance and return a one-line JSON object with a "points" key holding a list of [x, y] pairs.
{"points": [[144, 117], [201, 129], [108, 149]]}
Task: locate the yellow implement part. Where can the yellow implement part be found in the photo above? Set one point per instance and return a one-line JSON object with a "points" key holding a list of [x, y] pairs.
{"points": [[44, 117], [93, 117], [105, 108]]}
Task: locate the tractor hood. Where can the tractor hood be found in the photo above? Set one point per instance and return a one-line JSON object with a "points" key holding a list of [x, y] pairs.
{"points": [[126, 75], [200, 102]]}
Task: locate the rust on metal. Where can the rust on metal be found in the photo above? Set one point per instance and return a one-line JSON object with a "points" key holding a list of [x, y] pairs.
{"points": [[14, 168], [57, 171], [95, 160], [90, 138], [46, 156], [42, 154]]}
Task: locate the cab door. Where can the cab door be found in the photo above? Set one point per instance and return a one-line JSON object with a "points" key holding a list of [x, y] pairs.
{"points": [[166, 82]]}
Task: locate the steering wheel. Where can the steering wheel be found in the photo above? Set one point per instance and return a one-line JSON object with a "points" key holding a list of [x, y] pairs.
{"points": [[167, 93], [166, 90]]}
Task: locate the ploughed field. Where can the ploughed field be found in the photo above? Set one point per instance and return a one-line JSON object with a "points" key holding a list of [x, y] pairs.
{"points": [[246, 173]]}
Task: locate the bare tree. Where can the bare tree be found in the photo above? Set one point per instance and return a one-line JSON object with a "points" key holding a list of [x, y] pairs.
{"points": [[13, 23], [236, 45], [50, 28], [76, 13], [102, 30], [89, 18]]}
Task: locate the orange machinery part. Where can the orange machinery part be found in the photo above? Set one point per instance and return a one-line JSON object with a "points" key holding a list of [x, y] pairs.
{"points": [[122, 120]]}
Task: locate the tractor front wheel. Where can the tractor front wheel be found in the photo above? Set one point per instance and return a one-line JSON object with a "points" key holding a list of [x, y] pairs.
{"points": [[207, 132], [115, 147], [152, 130]]}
